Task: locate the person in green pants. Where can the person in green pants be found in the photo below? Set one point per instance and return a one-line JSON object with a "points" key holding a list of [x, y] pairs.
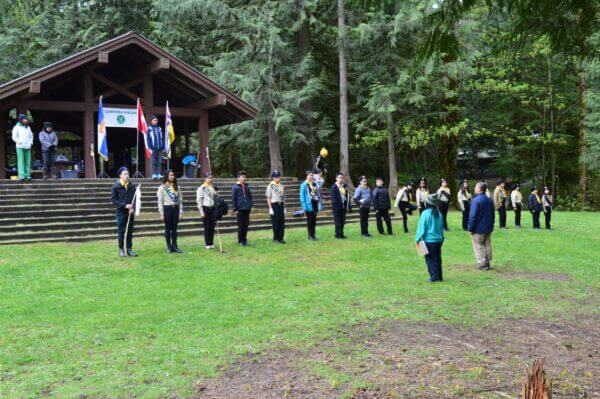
{"points": [[23, 138]]}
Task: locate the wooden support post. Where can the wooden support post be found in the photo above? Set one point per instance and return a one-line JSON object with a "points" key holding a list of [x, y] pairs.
{"points": [[3, 126], [186, 137], [203, 140], [88, 125], [148, 102]]}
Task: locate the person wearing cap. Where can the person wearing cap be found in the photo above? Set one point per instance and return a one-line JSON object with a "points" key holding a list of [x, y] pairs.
{"points": [[464, 203], [241, 199], [500, 202], [481, 226], [206, 199], [122, 196], [431, 231], [276, 201], [444, 196], [364, 199], [421, 195], [311, 203], [547, 203], [535, 207], [156, 142], [340, 204], [23, 139], [170, 207], [404, 203], [49, 142], [382, 206], [516, 199]]}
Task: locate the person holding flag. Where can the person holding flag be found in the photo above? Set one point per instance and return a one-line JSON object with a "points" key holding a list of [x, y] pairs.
{"points": [[126, 199]]}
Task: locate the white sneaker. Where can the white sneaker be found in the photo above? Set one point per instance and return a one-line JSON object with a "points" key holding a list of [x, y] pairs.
{"points": [[208, 247], [212, 247]]}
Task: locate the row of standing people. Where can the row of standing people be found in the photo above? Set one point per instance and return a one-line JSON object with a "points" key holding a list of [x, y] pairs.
{"points": [[22, 136]]}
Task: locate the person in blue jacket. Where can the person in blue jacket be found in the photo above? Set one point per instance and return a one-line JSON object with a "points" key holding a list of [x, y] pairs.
{"points": [[535, 207], [431, 232], [481, 226], [364, 199], [156, 142], [241, 199], [311, 203]]}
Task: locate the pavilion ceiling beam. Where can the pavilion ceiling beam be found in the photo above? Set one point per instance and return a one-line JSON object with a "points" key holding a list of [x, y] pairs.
{"points": [[112, 92], [219, 100], [159, 65], [121, 89]]}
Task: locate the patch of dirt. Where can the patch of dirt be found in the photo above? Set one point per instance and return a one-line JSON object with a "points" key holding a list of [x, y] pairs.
{"points": [[422, 360]]}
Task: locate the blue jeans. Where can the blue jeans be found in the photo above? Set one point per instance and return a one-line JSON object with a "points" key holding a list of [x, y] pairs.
{"points": [[434, 260]]}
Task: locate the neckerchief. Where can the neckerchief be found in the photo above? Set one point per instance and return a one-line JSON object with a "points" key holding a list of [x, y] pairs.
{"points": [[126, 184]]}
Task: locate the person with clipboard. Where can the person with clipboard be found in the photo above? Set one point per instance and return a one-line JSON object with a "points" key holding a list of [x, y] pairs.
{"points": [[430, 237]]}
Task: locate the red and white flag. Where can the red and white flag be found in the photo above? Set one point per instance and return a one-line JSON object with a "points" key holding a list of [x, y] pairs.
{"points": [[143, 128]]}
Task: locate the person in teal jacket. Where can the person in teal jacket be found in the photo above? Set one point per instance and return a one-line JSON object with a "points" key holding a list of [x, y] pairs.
{"points": [[311, 202], [431, 231]]}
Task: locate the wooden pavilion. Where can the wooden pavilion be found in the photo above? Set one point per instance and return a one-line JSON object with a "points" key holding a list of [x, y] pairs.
{"points": [[120, 70]]}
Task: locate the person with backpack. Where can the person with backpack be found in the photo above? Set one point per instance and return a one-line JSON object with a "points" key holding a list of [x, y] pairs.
{"points": [[241, 201], [207, 201], [382, 206]]}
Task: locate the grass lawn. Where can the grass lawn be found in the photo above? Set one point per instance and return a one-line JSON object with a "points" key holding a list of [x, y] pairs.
{"points": [[77, 321]]}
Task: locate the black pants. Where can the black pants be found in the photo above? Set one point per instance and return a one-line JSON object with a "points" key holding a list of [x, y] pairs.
{"points": [[278, 221], [536, 219], [364, 220], [243, 221], [434, 260], [121, 226], [502, 216], [548, 218], [380, 216], [171, 215], [422, 207], [209, 222], [465, 215], [339, 219], [311, 223], [518, 215], [406, 208], [444, 211], [49, 161]]}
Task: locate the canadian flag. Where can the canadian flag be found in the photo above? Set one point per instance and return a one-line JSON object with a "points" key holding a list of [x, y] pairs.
{"points": [[143, 127]]}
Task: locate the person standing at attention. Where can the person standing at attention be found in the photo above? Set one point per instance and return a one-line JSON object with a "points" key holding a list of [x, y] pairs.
{"points": [[444, 196], [500, 202], [535, 207], [403, 202], [340, 204], [547, 205], [241, 198], [382, 205], [516, 199], [206, 199], [122, 195], [156, 142], [23, 139], [431, 231], [276, 201], [422, 194], [170, 207], [49, 142], [311, 203], [464, 202], [364, 199], [481, 226]]}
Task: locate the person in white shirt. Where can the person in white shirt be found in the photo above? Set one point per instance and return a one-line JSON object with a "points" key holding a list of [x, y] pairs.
{"points": [[23, 138], [444, 195], [464, 203], [421, 195], [516, 200], [403, 202]]}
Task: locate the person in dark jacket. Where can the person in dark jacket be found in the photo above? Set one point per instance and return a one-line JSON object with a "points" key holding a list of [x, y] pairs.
{"points": [[241, 199], [481, 226], [364, 199], [382, 206], [547, 203], [535, 207], [122, 198], [156, 142], [49, 142], [340, 203]]}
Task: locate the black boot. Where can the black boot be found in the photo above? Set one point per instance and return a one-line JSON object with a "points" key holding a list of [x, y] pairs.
{"points": [[177, 250]]}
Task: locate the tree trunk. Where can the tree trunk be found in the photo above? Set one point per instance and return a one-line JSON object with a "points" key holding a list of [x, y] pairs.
{"points": [[448, 145], [582, 89], [274, 151], [393, 187], [344, 145]]}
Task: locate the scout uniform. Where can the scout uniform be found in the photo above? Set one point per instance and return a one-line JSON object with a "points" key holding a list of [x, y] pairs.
{"points": [[276, 199], [535, 207], [403, 202], [547, 203], [170, 207], [206, 199], [500, 203], [516, 199]]}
